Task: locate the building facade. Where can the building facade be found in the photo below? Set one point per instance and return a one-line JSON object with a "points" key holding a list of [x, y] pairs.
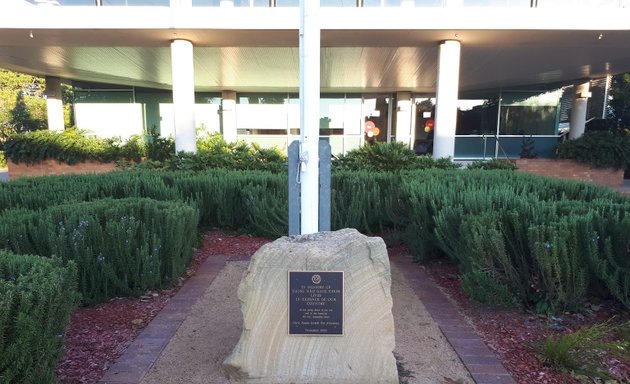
{"points": [[467, 79]]}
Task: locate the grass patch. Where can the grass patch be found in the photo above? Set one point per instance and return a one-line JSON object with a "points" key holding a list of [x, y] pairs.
{"points": [[581, 352]]}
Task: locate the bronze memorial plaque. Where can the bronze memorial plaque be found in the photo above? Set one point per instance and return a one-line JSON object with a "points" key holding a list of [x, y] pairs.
{"points": [[315, 303]]}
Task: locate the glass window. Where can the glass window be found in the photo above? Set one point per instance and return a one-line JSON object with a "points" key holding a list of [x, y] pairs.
{"points": [[399, 3], [498, 3], [162, 3], [331, 112], [376, 117], [582, 3], [338, 3], [77, 2], [477, 116], [235, 3], [529, 113], [262, 113], [103, 96], [287, 3]]}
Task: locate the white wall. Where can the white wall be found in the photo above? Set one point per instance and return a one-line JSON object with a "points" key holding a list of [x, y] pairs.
{"points": [[110, 120], [205, 114]]}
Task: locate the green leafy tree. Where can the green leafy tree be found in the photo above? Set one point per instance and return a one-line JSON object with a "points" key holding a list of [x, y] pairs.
{"points": [[619, 104], [22, 104]]}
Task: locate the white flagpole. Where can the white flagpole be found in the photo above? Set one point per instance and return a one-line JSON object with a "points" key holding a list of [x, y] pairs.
{"points": [[309, 115]]}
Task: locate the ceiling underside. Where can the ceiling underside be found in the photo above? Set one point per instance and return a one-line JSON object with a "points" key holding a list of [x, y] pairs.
{"points": [[351, 60]]}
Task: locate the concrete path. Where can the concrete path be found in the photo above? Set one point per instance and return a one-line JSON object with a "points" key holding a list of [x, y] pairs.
{"points": [[136, 365], [4, 175]]}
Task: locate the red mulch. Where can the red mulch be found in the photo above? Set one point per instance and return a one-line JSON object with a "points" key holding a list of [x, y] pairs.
{"points": [[512, 334], [98, 335]]}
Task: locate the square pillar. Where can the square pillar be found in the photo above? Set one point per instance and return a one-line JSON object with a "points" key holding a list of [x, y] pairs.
{"points": [[446, 99], [54, 104], [183, 95]]}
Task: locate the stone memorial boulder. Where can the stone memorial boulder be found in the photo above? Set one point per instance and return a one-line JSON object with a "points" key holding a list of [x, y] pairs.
{"points": [[267, 353]]}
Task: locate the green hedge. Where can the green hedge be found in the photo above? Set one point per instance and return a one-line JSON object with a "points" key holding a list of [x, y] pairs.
{"points": [[70, 146], [37, 296], [121, 247], [518, 238], [599, 149], [388, 157], [522, 239]]}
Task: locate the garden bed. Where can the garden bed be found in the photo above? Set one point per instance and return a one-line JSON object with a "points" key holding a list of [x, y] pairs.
{"points": [[53, 167], [98, 335]]}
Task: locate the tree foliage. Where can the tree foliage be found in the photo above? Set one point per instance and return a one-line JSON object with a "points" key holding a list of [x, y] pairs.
{"points": [[619, 103], [22, 104]]}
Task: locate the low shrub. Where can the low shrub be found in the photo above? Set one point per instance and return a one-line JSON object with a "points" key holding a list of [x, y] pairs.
{"points": [[3, 161], [70, 146], [121, 247], [37, 296], [387, 157], [160, 149], [42, 192], [367, 201], [520, 239], [599, 148], [213, 152], [492, 164]]}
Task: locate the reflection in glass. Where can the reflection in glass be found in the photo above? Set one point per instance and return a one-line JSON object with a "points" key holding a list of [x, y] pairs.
{"points": [[161, 3], [477, 117], [338, 3], [424, 121], [399, 3], [530, 113]]}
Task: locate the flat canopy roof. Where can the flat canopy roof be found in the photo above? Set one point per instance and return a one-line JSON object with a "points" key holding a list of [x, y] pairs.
{"points": [[363, 49]]}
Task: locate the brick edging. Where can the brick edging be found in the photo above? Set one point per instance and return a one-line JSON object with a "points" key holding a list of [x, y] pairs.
{"points": [[479, 360], [143, 352]]}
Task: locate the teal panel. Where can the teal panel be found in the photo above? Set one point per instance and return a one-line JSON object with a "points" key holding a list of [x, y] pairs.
{"points": [[151, 107], [545, 147], [473, 147]]}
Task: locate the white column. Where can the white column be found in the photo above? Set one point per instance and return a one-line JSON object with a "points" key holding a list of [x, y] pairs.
{"points": [[403, 118], [446, 100], [309, 115], [54, 104], [183, 95], [579, 109], [228, 114]]}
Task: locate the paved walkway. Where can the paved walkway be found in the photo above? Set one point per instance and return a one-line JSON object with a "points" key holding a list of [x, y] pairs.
{"points": [[138, 358], [4, 175]]}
